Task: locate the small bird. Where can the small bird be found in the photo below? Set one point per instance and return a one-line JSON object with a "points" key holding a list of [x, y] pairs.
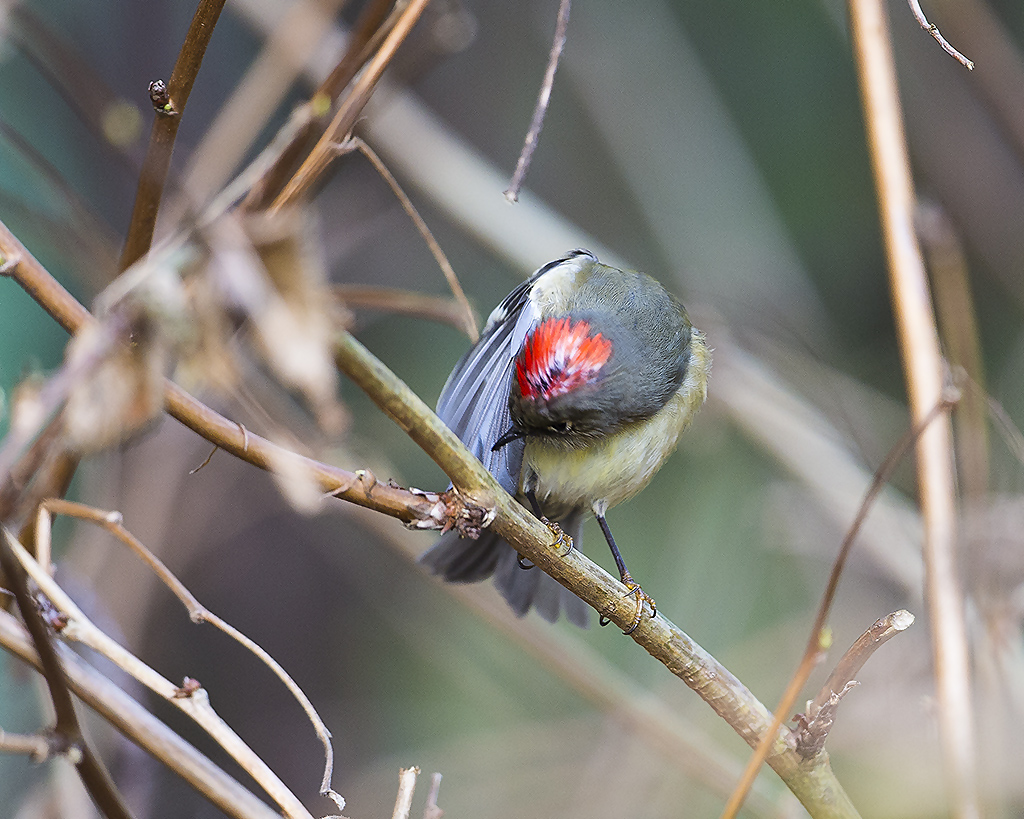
{"points": [[574, 396]]}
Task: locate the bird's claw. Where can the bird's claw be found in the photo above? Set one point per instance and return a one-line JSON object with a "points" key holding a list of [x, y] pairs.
{"points": [[562, 539], [634, 590]]}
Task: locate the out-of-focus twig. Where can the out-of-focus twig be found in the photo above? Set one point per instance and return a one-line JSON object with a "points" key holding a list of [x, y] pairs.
{"points": [[165, 129], [820, 713], [141, 727], [406, 786], [469, 324], [541, 108], [402, 302], [350, 109], [198, 613], [931, 28], [190, 698], [91, 770], [924, 372]]}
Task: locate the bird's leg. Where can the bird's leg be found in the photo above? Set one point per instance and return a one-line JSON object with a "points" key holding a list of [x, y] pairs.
{"points": [[627, 579]]}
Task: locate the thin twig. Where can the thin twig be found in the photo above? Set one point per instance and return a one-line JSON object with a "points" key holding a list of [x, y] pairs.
{"points": [[197, 612], [165, 129], [469, 322], [432, 811], [397, 301], [820, 713], [924, 372], [141, 727], [349, 111], [192, 701], [35, 746], [541, 108], [915, 8], [90, 769], [820, 638]]}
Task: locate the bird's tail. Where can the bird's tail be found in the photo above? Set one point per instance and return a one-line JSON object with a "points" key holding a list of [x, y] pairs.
{"points": [[463, 560]]}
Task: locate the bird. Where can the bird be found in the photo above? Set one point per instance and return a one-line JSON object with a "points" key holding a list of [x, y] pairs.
{"points": [[576, 393]]}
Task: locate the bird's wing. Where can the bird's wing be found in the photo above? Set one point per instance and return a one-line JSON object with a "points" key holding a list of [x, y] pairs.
{"points": [[474, 401]]}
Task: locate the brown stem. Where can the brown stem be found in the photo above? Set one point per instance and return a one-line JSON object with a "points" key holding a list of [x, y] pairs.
{"points": [[349, 111], [924, 372], [821, 711], [165, 129]]}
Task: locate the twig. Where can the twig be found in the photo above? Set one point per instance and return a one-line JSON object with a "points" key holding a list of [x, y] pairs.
{"points": [[401, 302], [348, 112], [406, 786], [192, 701], [915, 8], [36, 747], [432, 811], [469, 322], [820, 714], [924, 373], [141, 727], [165, 129], [820, 638], [94, 776], [309, 119], [814, 785], [541, 108], [197, 612]]}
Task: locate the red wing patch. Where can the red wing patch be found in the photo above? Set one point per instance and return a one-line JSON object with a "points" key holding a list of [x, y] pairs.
{"points": [[559, 356]]}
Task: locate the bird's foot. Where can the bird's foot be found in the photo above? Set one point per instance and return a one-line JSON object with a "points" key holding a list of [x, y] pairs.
{"points": [[642, 597], [562, 540]]}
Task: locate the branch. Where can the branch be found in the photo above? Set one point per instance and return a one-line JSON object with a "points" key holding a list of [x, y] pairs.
{"points": [[931, 28], [923, 369], [190, 698], [165, 129], [541, 108], [349, 111], [141, 727], [814, 784], [820, 715], [94, 776]]}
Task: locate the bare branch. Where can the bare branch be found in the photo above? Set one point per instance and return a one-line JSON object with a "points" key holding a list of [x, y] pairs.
{"points": [[141, 727], [406, 786], [198, 613], [196, 704], [469, 323], [819, 639], [91, 770], [165, 129], [924, 372], [541, 108], [915, 8], [820, 714]]}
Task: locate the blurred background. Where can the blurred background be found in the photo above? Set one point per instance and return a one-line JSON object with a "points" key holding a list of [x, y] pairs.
{"points": [[719, 147]]}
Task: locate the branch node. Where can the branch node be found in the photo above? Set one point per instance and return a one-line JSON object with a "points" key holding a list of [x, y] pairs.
{"points": [[465, 517]]}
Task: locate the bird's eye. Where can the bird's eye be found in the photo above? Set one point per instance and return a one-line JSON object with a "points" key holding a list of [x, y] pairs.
{"points": [[560, 428]]}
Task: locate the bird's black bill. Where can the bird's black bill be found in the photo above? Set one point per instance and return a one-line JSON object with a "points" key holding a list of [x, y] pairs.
{"points": [[513, 434]]}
